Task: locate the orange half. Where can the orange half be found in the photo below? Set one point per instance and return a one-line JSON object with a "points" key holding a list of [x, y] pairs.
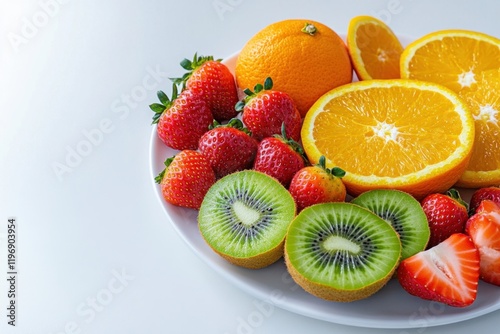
{"points": [[394, 134]]}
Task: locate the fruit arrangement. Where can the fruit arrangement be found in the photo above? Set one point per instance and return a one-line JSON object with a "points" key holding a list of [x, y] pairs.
{"points": [[351, 182]]}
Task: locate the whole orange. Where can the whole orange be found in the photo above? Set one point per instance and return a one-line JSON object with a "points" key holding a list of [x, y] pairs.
{"points": [[304, 58]]}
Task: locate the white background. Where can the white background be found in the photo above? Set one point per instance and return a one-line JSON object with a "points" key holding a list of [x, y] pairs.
{"points": [[70, 67]]}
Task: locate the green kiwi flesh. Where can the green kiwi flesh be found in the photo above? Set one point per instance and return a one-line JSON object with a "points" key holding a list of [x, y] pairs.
{"points": [[341, 251], [403, 212], [244, 217]]}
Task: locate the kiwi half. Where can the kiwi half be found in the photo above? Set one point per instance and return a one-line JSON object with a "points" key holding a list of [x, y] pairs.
{"points": [[244, 217], [341, 251], [403, 212]]}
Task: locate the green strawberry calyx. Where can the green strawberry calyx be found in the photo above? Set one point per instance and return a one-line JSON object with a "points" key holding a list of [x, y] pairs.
{"points": [[455, 195], [165, 103], [335, 171], [268, 85], [291, 143], [190, 66], [233, 123], [167, 163]]}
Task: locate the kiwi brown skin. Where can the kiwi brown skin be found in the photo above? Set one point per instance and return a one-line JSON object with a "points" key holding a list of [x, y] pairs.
{"points": [[331, 294], [256, 262]]}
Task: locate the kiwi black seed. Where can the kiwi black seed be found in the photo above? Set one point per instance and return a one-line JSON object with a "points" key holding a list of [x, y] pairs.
{"points": [[244, 218], [341, 251], [403, 212]]}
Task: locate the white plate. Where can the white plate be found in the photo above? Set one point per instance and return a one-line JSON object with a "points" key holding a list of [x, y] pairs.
{"points": [[391, 307]]}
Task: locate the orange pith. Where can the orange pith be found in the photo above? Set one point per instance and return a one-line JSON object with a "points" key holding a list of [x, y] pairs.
{"points": [[467, 62], [399, 134], [302, 65], [374, 49]]}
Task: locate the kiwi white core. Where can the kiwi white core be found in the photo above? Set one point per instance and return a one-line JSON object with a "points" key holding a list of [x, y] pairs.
{"points": [[245, 214], [336, 243]]}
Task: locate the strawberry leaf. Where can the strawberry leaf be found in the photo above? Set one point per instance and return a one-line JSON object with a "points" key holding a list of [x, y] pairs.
{"points": [[239, 106], [157, 108], [187, 64], [167, 163], [338, 172], [163, 98], [268, 83], [454, 194], [258, 88], [190, 66], [166, 103], [335, 171]]}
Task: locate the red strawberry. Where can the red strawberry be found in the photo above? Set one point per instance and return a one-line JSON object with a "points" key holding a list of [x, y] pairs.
{"points": [[211, 80], [265, 110], [491, 193], [317, 184], [182, 120], [446, 215], [447, 273], [228, 148], [279, 157], [484, 229], [186, 179]]}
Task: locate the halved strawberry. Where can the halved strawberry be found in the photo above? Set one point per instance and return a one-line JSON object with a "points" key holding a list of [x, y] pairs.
{"points": [[484, 229], [446, 273]]}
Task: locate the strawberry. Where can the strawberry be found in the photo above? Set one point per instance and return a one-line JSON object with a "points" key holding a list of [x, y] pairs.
{"points": [[484, 229], [186, 179], [264, 110], [446, 214], [317, 184], [212, 81], [447, 273], [229, 147], [181, 120], [279, 157], [491, 193]]}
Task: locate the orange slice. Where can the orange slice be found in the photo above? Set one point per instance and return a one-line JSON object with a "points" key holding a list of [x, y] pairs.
{"points": [[374, 49], [395, 134], [484, 102], [459, 60]]}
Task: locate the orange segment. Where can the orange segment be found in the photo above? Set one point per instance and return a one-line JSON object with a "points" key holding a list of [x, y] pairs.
{"points": [[484, 102], [467, 62], [374, 49], [398, 134]]}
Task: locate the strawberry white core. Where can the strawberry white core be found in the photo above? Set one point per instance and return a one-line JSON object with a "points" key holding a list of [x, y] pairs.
{"points": [[247, 215], [336, 243]]}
